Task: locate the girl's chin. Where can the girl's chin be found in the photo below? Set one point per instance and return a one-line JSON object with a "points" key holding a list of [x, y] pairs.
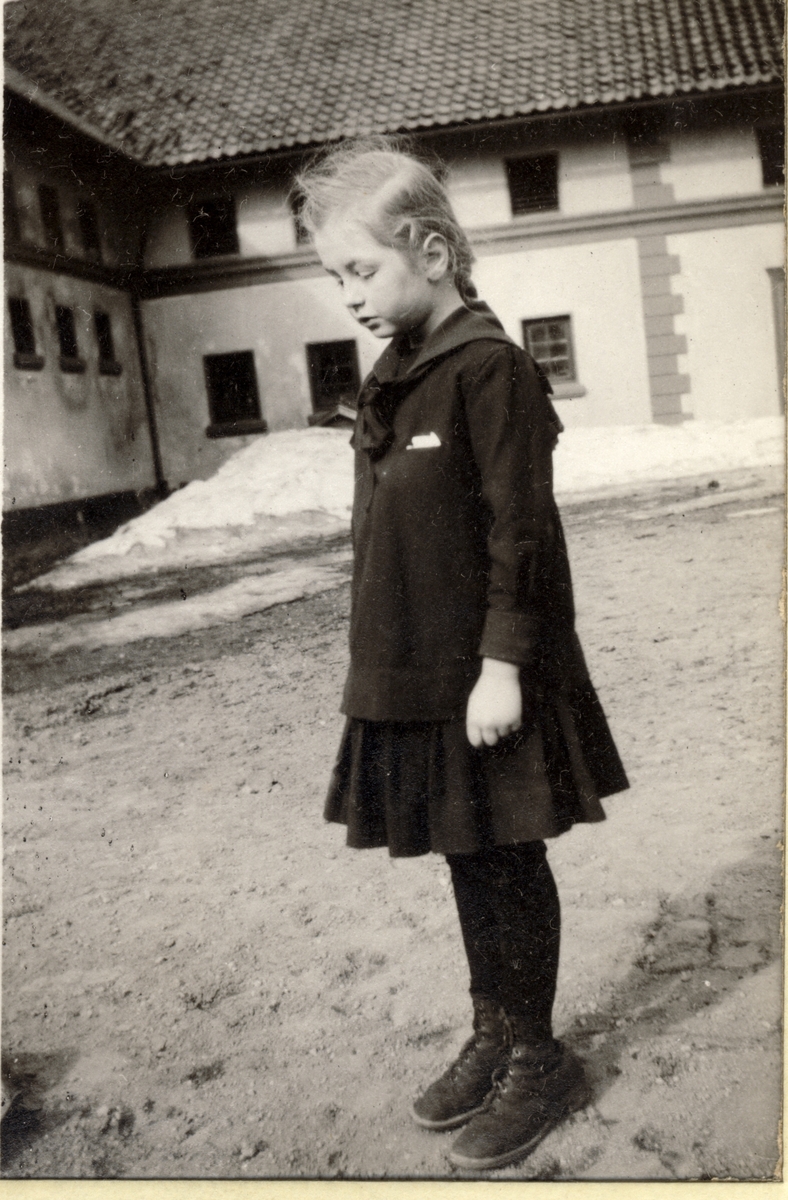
{"points": [[381, 329]]}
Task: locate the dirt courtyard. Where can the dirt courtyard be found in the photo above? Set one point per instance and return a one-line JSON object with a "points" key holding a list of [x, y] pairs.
{"points": [[200, 980]]}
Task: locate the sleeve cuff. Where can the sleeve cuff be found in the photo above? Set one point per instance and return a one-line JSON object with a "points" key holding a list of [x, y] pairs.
{"points": [[508, 636]]}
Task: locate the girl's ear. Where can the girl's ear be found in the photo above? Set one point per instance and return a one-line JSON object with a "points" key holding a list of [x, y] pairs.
{"points": [[435, 254]]}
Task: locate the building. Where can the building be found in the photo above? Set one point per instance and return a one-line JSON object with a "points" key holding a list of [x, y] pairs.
{"points": [[617, 163]]}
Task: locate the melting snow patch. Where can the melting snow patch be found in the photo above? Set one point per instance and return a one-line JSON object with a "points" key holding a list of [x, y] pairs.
{"points": [[299, 483]]}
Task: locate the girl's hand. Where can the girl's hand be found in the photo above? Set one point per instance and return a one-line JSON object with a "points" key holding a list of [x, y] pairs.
{"points": [[495, 706]]}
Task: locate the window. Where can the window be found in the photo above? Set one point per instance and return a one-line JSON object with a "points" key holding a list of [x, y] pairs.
{"points": [[233, 399], [108, 364], [301, 234], [23, 333], [49, 203], [212, 227], [67, 337], [333, 374], [549, 341], [88, 229], [11, 227], [771, 143], [533, 183]]}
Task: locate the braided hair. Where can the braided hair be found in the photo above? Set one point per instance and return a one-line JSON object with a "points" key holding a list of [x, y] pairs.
{"points": [[397, 196]]}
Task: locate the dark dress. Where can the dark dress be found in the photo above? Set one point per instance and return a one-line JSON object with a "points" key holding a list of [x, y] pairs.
{"points": [[459, 555]]}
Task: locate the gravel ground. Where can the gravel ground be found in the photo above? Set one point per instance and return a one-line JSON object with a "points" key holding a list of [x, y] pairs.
{"points": [[202, 981]]}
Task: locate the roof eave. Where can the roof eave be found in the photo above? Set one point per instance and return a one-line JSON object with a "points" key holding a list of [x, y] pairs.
{"points": [[20, 85], [565, 112]]}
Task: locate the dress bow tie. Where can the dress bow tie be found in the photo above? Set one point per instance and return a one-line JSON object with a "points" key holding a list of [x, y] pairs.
{"points": [[376, 408]]}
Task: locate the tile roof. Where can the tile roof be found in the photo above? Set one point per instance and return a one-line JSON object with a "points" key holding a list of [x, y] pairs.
{"points": [[178, 81]]}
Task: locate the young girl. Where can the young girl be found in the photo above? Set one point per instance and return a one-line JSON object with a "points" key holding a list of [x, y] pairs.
{"points": [[473, 729]]}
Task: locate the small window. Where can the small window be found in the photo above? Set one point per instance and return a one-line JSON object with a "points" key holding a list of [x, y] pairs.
{"points": [[108, 364], [11, 227], [87, 220], [233, 399], [301, 233], [333, 374], [212, 227], [549, 341], [771, 143], [23, 333], [49, 203], [67, 337], [533, 183]]}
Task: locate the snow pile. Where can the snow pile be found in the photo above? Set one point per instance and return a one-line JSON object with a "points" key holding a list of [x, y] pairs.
{"points": [[613, 456], [251, 594], [307, 470], [299, 483]]}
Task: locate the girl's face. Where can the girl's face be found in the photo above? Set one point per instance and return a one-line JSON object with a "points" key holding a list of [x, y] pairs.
{"points": [[385, 290]]}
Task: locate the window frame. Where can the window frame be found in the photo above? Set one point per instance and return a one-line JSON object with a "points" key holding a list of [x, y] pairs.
{"points": [[234, 427], [51, 217], [516, 187], [70, 364], [107, 364], [24, 359], [295, 204], [563, 389], [199, 248], [12, 225], [89, 229], [772, 162]]}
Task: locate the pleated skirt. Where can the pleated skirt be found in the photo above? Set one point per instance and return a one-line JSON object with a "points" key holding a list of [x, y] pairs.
{"points": [[419, 786]]}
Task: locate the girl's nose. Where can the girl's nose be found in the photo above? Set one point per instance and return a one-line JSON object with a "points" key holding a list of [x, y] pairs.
{"points": [[352, 296]]}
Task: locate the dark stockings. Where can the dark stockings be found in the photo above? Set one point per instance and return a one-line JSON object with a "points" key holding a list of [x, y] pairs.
{"points": [[510, 920]]}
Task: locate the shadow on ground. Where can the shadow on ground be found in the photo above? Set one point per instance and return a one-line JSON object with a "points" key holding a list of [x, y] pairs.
{"points": [[696, 952]]}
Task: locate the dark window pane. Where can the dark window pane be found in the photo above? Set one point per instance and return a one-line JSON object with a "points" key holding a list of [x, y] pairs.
{"points": [[103, 328], [231, 381], [549, 341], [10, 210], [212, 227], [49, 202], [22, 326], [66, 332], [333, 373], [302, 235], [533, 183], [771, 143], [88, 228]]}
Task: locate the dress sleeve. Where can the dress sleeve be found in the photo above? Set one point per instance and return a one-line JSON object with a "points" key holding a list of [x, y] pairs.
{"points": [[513, 429]]}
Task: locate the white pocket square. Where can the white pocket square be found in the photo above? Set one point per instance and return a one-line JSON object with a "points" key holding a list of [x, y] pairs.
{"points": [[423, 441]]}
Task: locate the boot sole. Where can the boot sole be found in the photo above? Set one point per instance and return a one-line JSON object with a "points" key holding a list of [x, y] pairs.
{"points": [[573, 1103], [450, 1122]]}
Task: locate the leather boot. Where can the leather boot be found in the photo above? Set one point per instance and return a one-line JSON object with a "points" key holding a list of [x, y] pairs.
{"points": [[461, 1089], [541, 1085]]}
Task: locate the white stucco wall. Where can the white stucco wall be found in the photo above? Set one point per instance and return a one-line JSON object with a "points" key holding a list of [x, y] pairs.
{"points": [[713, 163], [264, 222], [595, 285], [598, 285], [72, 436], [591, 178], [275, 321], [728, 320]]}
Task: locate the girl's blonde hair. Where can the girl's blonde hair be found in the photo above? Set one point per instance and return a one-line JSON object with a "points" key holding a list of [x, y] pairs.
{"points": [[395, 194]]}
